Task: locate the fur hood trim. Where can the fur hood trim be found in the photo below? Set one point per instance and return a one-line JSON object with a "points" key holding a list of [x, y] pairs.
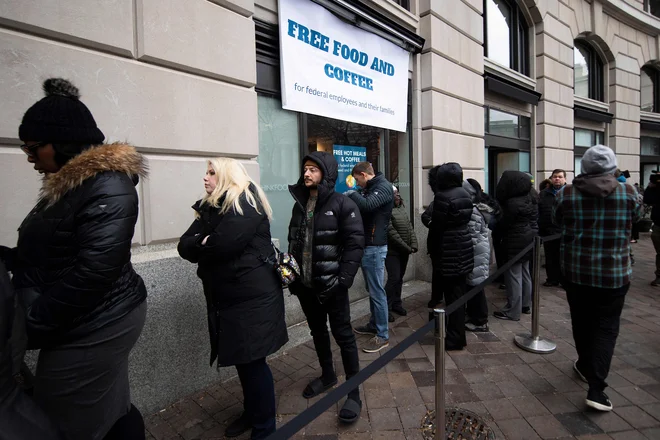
{"points": [[118, 157]]}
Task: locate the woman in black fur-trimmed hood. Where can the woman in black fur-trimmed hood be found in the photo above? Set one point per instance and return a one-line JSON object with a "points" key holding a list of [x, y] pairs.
{"points": [[85, 305]]}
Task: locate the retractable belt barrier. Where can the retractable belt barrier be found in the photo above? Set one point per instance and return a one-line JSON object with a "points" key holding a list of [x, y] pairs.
{"points": [[311, 413]]}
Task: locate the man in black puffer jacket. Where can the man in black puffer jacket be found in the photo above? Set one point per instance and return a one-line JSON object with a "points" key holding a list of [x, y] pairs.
{"points": [[547, 228], [450, 245], [327, 239], [518, 227]]}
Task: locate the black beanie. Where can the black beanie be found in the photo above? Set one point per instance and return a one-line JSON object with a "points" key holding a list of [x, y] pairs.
{"points": [[60, 117]]}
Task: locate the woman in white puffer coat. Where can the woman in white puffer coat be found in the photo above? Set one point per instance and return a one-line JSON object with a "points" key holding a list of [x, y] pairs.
{"points": [[477, 307]]}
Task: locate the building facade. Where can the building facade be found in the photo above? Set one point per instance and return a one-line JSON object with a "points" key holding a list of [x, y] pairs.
{"points": [[492, 84]]}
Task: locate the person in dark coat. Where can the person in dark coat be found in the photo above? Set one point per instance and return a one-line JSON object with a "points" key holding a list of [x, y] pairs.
{"points": [[401, 243], [327, 239], [547, 228], [20, 417], [375, 199], [517, 227], [85, 305], [450, 245], [231, 243]]}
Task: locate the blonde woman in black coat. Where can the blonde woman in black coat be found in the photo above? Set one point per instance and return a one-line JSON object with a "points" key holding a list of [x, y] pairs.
{"points": [[231, 243]]}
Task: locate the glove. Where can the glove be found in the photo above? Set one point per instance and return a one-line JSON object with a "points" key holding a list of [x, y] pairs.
{"points": [[349, 192]]}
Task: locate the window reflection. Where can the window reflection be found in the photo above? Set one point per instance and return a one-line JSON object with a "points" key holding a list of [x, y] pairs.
{"points": [[279, 161], [503, 124], [581, 72], [646, 95], [498, 31], [587, 138], [650, 146]]}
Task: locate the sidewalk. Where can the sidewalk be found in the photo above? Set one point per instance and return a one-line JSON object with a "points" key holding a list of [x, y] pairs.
{"points": [[521, 395]]}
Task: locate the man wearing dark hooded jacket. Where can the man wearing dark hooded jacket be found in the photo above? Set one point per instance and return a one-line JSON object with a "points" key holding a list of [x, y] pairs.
{"points": [[326, 237], [517, 227], [450, 245], [596, 214]]}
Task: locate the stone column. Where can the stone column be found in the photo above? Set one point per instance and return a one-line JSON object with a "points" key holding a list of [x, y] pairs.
{"points": [[452, 87], [554, 122], [624, 97]]}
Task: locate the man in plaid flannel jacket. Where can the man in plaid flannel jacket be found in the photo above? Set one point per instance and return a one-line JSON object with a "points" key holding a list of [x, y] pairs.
{"points": [[595, 215]]}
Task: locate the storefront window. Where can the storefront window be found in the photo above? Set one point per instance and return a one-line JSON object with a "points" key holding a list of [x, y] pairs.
{"points": [[588, 138], [650, 146], [500, 123], [399, 164], [279, 161]]}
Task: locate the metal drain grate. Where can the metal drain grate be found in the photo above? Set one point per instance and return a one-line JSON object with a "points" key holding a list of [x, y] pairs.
{"points": [[461, 424]]}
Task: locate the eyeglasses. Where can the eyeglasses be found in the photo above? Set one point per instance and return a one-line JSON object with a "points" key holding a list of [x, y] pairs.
{"points": [[30, 150]]}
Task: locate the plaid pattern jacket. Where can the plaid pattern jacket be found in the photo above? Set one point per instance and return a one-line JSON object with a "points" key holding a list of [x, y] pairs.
{"points": [[595, 234]]}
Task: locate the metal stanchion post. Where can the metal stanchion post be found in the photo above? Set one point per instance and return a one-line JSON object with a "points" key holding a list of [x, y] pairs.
{"points": [[439, 374], [533, 342]]}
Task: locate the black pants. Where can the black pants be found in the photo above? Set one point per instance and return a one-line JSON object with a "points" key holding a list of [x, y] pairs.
{"points": [[337, 311], [500, 255], [395, 264], [595, 316], [635, 231], [477, 309], [452, 288], [552, 268], [258, 397]]}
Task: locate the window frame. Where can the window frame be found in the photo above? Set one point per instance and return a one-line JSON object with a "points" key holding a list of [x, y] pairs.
{"points": [[654, 75], [518, 37], [647, 9], [596, 67]]}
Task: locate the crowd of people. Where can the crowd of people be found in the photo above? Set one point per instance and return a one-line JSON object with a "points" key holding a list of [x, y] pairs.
{"points": [[74, 295]]}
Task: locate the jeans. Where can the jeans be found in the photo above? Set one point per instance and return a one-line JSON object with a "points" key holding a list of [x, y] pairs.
{"points": [[335, 309], [258, 397], [396, 268], [477, 308], [595, 317], [373, 269], [552, 268], [518, 289], [655, 238]]}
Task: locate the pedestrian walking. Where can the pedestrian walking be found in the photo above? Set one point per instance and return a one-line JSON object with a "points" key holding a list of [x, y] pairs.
{"points": [[547, 228], [652, 197], [375, 200], [85, 305], [450, 246], [517, 227], [596, 214], [326, 237], [477, 306], [231, 243]]}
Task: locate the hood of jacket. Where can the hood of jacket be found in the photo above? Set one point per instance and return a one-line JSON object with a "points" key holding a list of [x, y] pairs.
{"points": [[330, 169], [445, 176], [470, 190], [601, 185], [513, 184], [118, 157]]}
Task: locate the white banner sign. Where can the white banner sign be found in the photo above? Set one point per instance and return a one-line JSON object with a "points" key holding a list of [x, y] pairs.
{"points": [[333, 69]]}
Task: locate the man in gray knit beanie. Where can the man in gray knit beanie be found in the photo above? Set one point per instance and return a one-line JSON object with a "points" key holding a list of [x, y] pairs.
{"points": [[596, 214]]}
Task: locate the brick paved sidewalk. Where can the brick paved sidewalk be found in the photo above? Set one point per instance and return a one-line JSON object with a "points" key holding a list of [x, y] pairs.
{"points": [[521, 395]]}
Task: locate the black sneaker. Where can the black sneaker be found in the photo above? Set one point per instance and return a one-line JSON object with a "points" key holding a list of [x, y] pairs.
{"points": [[390, 317], [399, 311], [476, 328], [598, 400], [238, 426], [365, 330], [502, 315], [527, 310], [551, 284]]}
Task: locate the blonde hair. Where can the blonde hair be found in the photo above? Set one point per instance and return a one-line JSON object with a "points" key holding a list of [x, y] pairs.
{"points": [[233, 182]]}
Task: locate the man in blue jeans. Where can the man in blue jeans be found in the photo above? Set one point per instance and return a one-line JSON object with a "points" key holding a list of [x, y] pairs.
{"points": [[375, 201]]}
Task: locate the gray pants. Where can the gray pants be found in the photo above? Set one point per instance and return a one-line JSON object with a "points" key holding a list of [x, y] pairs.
{"points": [[518, 289], [83, 385]]}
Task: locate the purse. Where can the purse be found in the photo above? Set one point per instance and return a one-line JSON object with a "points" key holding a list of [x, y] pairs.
{"points": [[286, 266]]}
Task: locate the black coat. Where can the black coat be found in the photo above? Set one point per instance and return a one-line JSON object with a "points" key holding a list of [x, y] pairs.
{"points": [[338, 239], [73, 259], [449, 241], [20, 417], [518, 225], [244, 298], [652, 197], [546, 201], [376, 202]]}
